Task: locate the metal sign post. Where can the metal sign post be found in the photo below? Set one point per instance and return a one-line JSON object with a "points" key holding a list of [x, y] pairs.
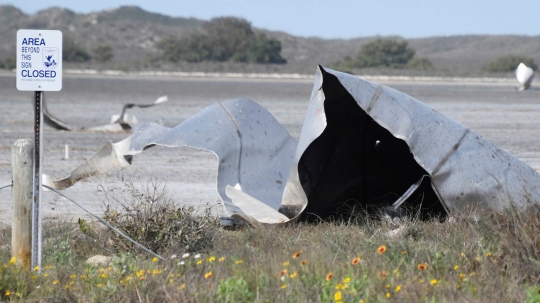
{"points": [[39, 69], [38, 165]]}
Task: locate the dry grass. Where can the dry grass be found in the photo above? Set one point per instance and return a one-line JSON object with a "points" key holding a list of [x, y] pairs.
{"points": [[481, 257]]}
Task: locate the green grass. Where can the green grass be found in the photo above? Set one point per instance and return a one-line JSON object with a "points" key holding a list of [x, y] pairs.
{"points": [[483, 257]]}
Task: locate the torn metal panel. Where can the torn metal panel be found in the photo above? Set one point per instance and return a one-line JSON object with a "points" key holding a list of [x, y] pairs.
{"points": [[119, 122], [254, 151], [369, 146]]}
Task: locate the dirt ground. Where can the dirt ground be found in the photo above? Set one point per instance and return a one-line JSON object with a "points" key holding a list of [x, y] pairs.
{"points": [[497, 111]]}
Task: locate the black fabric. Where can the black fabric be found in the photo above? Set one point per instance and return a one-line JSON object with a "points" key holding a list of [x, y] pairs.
{"points": [[357, 164]]}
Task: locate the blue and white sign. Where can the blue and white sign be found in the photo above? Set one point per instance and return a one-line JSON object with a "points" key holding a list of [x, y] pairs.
{"points": [[39, 60]]}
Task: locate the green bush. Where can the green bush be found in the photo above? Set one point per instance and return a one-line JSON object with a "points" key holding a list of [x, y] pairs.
{"points": [[71, 52], [224, 39], [9, 63], [420, 63], [234, 290], [150, 217], [103, 53], [384, 53], [509, 63]]}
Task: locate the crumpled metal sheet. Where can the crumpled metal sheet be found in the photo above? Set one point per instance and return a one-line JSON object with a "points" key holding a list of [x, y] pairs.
{"points": [[465, 170], [120, 122], [254, 151]]}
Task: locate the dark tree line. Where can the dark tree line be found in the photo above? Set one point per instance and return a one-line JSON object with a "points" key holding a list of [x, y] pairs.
{"points": [[223, 39]]}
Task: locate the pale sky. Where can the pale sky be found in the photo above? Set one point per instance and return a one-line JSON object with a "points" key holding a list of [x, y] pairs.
{"points": [[341, 18]]}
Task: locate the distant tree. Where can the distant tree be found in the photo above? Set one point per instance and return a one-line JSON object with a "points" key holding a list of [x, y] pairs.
{"points": [[384, 53], [71, 52], [420, 63], [230, 38], [265, 50], [224, 39], [509, 63], [103, 53]]}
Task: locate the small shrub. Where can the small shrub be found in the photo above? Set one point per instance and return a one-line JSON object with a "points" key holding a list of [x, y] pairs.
{"points": [[509, 63], [150, 217], [9, 63], [234, 290], [384, 53], [103, 53], [71, 52], [420, 63]]}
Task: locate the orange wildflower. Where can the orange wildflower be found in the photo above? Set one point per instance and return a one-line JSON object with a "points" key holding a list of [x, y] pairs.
{"points": [[355, 261], [208, 275], [382, 275], [297, 254], [329, 276], [283, 272], [381, 249], [422, 266], [304, 262]]}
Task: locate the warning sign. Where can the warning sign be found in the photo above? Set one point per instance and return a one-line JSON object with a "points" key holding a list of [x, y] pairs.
{"points": [[39, 60]]}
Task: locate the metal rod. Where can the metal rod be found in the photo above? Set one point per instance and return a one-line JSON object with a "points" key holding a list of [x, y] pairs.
{"points": [[36, 202]]}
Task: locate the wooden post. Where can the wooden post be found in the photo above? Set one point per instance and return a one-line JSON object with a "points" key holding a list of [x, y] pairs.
{"points": [[22, 163]]}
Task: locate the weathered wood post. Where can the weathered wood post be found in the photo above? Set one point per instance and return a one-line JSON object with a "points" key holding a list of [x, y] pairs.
{"points": [[22, 159]]}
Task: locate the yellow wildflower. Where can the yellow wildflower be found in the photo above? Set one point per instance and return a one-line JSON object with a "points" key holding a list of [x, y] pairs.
{"points": [[154, 259], [55, 282], [45, 274], [421, 281], [12, 261], [283, 286], [387, 286], [434, 282], [339, 285], [239, 262], [337, 296], [8, 293], [182, 286], [199, 262], [73, 276], [101, 269], [211, 259], [104, 275], [398, 288], [362, 301], [285, 264], [488, 254], [347, 280], [293, 275], [208, 275], [36, 268], [456, 267], [388, 295], [221, 259]]}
